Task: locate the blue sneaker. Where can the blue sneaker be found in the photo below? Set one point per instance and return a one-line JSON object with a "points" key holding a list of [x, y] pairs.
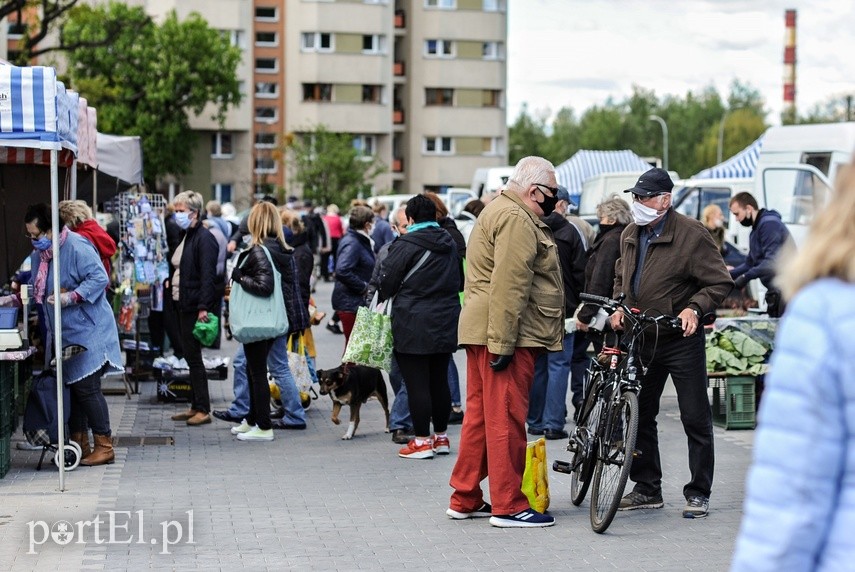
{"points": [[527, 518]]}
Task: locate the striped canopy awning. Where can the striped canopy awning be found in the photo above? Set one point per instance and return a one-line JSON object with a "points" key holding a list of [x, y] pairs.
{"points": [[740, 166], [585, 164]]}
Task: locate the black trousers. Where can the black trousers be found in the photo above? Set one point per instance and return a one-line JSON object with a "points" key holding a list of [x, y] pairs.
{"points": [[579, 363], [685, 360], [259, 387], [201, 399], [426, 378]]}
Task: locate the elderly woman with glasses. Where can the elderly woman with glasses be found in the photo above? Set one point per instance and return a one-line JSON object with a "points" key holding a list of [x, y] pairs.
{"points": [[85, 310]]}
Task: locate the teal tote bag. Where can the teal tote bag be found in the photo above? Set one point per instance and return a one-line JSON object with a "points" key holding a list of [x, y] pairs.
{"points": [[255, 318]]}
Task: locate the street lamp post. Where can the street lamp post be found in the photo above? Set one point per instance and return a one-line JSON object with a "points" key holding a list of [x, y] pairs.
{"points": [[664, 139]]}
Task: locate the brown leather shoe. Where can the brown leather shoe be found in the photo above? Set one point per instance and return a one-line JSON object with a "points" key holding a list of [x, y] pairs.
{"points": [[103, 453], [184, 415], [82, 439], [199, 419]]}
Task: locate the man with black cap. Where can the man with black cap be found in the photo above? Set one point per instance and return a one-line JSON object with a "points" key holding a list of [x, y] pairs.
{"points": [[547, 406], [670, 265]]}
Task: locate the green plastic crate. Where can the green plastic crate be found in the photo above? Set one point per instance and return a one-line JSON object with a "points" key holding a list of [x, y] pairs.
{"points": [[8, 409], [733, 402]]}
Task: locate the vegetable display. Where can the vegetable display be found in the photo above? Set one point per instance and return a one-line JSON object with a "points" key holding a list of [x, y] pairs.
{"points": [[740, 347]]}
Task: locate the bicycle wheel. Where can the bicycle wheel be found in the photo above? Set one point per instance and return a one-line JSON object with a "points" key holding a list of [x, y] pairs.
{"points": [[614, 460], [585, 443]]}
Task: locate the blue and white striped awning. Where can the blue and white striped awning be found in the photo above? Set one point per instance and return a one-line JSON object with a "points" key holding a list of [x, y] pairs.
{"points": [[740, 166], [585, 164]]}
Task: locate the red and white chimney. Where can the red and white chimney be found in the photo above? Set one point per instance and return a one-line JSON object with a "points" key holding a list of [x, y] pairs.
{"points": [[790, 63]]}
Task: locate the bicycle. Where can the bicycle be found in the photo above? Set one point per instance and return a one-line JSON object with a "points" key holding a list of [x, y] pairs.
{"points": [[603, 441]]}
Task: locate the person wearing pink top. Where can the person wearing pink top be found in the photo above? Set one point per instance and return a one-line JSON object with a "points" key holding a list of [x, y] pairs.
{"points": [[336, 230]]}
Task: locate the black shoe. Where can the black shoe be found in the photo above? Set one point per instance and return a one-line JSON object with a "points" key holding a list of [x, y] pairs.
{"points": [[456, 417], [279, 424], [401, 436], [554, 434], [334, 328], [535, 431], [277, 413], [226, 416]]}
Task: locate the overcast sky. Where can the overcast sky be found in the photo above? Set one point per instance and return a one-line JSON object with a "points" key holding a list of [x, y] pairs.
{"points": [[577, 53]]}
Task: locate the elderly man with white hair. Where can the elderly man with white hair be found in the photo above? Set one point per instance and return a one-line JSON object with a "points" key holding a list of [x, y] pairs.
{"points": [[513, 310]]}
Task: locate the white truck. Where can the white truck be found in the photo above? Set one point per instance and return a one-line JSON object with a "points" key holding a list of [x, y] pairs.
{"points": [[488, 180]]}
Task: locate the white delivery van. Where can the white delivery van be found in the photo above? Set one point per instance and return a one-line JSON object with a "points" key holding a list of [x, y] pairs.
{"points": [[488, 180]]}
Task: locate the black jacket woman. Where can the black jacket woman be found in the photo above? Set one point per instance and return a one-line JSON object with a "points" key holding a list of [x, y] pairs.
{"points": [[425, 311], [254, 273]]}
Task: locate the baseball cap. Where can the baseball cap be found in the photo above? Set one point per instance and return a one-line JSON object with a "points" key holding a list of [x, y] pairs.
{"points": [[562, 194], [652, 182]]}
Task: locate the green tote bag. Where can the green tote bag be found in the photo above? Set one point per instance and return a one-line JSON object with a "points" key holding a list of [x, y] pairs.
{"points": [[255, 318]]}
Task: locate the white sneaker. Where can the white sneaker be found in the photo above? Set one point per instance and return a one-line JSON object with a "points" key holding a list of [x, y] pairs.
{"points": [[256, 434], [242, 428]]}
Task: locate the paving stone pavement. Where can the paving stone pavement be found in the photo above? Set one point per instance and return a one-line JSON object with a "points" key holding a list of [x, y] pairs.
{"points": [[310, 500]]}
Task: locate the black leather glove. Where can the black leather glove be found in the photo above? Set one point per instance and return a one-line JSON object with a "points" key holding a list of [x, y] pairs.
{"points": [[501, 362], [740, 282], [237, 274]]}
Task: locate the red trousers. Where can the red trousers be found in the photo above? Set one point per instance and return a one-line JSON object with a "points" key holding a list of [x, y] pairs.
{"points": [[493, 438], [347, 321]]}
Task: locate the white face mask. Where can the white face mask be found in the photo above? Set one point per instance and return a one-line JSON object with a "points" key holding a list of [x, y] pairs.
{"points": [[642, 214]]}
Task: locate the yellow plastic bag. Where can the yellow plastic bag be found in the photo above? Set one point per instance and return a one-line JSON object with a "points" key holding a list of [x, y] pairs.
{"points": [[535, 484]]}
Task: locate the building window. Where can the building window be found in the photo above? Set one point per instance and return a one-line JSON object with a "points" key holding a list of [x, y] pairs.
{"points": [[439, 96], [265, 140], [266, 65], [221, 145], [494, 5], [491, 145], [266, 89], [266, 14], [265, 114], [372, 94], [265, 165], [492, 98], [493, 51], [16, 30], [439, 48], [317, 92], [265, 39], [316, 42], [222, 192], [438, 146], [236, 38], [441, 4], [373, 44], [365, 145]]}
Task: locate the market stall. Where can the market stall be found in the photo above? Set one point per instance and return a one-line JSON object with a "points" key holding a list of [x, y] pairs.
{"points": [[39, 122]]}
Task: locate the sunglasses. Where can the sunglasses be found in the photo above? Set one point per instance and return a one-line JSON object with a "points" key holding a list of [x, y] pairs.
{"points": [[553, 190], [641, 199]]}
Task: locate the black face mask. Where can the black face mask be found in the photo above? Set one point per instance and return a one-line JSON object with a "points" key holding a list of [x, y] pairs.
{"points": [[548, 204], [746, 222]]}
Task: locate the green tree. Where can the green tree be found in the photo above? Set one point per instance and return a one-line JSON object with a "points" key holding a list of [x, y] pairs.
{"points": [[564, 141], [741, 128], [151, 77], [527, 136], [328, 167], [833, 110]]}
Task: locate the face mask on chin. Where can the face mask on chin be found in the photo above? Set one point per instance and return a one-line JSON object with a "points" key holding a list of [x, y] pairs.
{"points": [[747, 221], [642, 214]]}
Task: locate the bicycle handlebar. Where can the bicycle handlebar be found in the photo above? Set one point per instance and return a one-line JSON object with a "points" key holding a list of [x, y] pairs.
{"points": [[611, 304]]}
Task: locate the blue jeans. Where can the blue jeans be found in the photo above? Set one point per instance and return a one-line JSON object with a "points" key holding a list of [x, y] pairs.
{"points": [[547, 405], [453, 382], [399, 416], [277, 365]]}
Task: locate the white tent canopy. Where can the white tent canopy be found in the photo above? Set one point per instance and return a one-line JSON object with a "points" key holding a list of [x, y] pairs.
{"points": [[740, 166], [585, 164], [120, 156]]}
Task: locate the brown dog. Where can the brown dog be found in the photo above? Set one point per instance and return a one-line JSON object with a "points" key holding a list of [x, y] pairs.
{"points": [[353, 386]]}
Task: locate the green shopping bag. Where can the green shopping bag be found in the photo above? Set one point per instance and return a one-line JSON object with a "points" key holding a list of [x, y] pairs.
{"points": [[370, 341], [206, 332]]}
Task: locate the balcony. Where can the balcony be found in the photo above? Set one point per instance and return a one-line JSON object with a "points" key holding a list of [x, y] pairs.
{"points": [[397, 165], [398, 69], [398, 116], [400, 20]]}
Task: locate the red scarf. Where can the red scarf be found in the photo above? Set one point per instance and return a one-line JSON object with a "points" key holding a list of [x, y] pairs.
{"points": [[45, 257]]}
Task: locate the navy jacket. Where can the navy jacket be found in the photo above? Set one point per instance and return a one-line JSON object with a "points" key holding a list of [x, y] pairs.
{"points": [[571, 255], [353, 267], [426, 307], [768, 235]]}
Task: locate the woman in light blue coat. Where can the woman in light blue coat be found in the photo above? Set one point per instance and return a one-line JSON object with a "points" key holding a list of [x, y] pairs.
{"points": [[800, 505], [87, 320]]}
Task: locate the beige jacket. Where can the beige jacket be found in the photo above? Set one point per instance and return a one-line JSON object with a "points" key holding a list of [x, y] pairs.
{"points": [[514, 295]]}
